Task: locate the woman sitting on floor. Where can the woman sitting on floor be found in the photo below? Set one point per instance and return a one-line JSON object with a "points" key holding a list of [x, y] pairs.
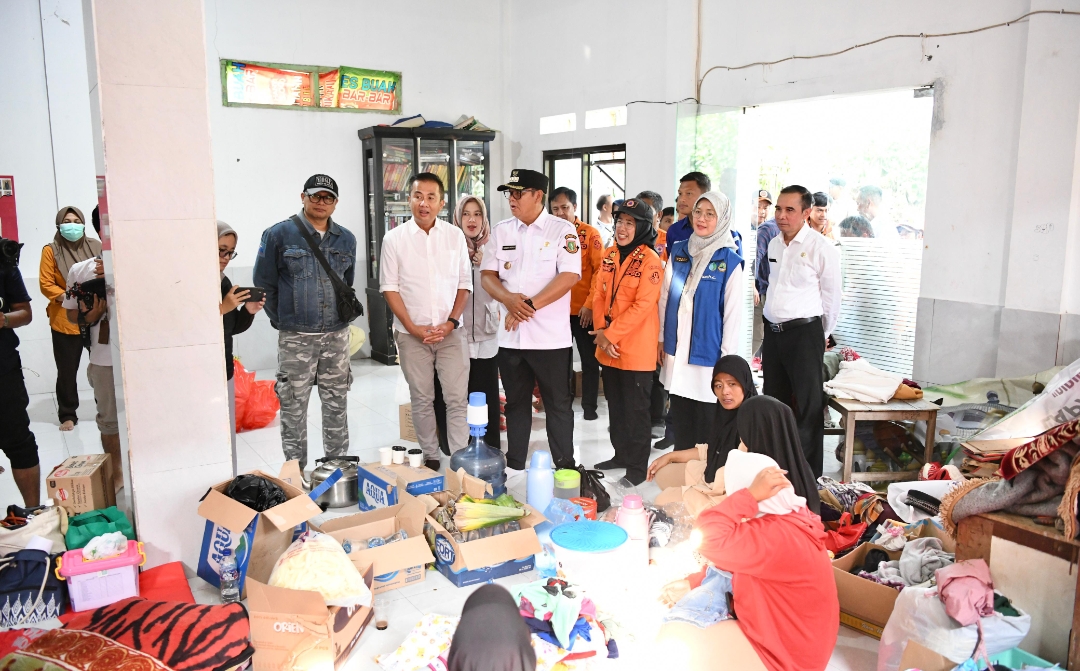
{"points": [[784, 595]]}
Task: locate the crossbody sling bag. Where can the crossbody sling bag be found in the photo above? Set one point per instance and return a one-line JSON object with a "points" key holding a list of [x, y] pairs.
{"points": [[349, 307]]}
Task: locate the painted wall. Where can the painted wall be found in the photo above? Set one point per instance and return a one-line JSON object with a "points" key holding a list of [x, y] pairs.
{"points": [[450, 57]]}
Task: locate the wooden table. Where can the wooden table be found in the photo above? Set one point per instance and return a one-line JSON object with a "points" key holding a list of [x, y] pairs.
{"points": [[973, 542], [857, 411]]}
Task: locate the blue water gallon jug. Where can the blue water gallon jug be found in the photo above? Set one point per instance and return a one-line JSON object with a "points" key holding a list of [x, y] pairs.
{"points": [[479, 459], [541, 481]]}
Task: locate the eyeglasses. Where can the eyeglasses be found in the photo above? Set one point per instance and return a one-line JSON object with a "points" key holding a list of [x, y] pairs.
{"points": [[226, 254], [323, 198], [707, 216], [510, 194]]}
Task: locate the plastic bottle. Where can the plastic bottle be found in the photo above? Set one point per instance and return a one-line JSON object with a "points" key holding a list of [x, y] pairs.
{"points": [[230, 578], [478, 459], [632, 517], [541, 481], [567, 484]]}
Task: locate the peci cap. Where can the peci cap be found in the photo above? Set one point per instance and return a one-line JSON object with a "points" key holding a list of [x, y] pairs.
{"points": [[317, 183], [763, 194], [523, 178], [638, 209]]}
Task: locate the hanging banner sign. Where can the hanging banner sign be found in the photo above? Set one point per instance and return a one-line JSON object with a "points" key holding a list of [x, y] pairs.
{"points": [[369, 89], [328, 88], [258, 85]]}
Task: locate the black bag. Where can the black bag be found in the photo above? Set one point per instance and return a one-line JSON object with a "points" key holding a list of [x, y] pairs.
{"points": [[30, 589], [592, 488], [348, 305]]}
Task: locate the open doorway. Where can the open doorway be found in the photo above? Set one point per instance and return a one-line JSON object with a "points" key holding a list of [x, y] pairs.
{"points": [[868, 154], [591, 172]]}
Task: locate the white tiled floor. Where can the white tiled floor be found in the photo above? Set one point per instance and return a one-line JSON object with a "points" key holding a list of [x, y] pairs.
{"points": [[373, 423]]}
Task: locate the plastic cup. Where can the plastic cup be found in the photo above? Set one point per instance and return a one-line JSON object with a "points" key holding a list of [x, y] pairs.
{"points": [[399, 454], [386, 456], [416, 458]]}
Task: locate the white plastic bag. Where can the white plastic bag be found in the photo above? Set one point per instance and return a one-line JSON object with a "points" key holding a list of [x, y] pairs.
{"points": [[1059, 403], [919, 615], [316, 563], [105, 546]]}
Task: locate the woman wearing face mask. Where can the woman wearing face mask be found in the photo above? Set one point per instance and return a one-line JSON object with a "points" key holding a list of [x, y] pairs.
{"points": [[733, 383], [626, 292], [69, 246], [481, 324], [234, 318], [700, 317]]}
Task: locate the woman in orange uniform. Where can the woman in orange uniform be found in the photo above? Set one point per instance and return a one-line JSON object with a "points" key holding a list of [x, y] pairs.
{"points": [[626, 299]]}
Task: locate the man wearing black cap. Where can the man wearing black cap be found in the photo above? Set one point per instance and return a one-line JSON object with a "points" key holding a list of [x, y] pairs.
{"points": [[313, 340], [531, 262]]}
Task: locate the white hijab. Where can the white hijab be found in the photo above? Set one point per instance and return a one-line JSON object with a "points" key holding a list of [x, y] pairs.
{"points": [[702, 248], [739, 473]]}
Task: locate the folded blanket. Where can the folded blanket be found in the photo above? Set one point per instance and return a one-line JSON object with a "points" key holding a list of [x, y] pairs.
{"points": [[860, 381], [66, 650]]}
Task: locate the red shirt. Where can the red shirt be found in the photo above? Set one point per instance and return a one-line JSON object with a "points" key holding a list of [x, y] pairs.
{"points": [[785, 593]]}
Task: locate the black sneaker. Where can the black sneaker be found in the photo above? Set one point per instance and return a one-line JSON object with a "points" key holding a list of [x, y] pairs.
{"points": [[635, 478], [609, 465], [591, 415], [433, 464], [664, 443]]}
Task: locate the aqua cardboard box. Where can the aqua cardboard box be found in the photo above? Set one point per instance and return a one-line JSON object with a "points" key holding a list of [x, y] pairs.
{"points": [[379, 485], [396, 564], [484, 559], [256, 539]]}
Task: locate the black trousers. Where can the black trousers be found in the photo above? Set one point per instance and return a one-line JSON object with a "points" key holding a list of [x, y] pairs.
{"points": [[16, 439], [483, 376], [520, 369], [67, 351], [628, 394], [590, 367], [692, 421], [791, 364], [658, 400]]}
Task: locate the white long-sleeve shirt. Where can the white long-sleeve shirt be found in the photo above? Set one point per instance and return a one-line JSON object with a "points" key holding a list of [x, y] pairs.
{"points": [[804, 279], [678, 375], [427, 269]]}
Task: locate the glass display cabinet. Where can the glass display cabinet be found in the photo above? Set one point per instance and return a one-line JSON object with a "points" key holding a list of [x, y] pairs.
{"points": [[392, 155]]}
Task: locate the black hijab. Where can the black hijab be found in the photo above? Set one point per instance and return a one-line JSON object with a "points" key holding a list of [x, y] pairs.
{"points": [[644, 234], [768, 427], [725, 436], [492, 636]]}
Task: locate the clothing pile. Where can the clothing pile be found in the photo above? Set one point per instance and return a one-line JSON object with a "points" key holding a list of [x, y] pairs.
{"points": [[915, 568], [859, 501], [860, 381], [425, 647], [565, 625], [708, 603]]}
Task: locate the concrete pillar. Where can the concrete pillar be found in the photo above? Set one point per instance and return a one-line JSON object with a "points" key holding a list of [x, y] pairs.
{"points": [[152, 87]]}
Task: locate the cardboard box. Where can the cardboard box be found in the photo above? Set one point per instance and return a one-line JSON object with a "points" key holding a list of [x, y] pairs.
{"points": [[293, 629], [379, 485], [864, 604], [408, 431], [84, 483], [256, 539], [397, 564], [485, 559]]}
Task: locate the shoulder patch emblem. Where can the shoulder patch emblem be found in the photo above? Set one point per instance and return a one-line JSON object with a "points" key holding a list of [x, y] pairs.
{"points": [[722, 266], [655, 277], [571, 244], [596, 243]]}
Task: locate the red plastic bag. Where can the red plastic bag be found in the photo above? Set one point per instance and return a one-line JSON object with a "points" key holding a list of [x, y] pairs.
{"points": [[256, 400], [845, 536]]}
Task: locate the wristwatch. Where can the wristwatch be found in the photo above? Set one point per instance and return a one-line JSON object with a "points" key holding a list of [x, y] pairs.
{"points": [[455, 322], [528, 301]]}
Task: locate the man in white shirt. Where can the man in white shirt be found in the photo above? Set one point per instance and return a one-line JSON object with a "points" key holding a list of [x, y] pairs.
{"points": [[800, 312], [91, 314], [425, 275], [869, 204], [605, 223], [531, 262]]}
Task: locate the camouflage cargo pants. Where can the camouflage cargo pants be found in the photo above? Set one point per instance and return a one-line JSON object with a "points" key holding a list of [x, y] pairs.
{"points": [[306, 360]]}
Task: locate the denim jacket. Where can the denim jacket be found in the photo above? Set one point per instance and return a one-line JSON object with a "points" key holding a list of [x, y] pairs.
{"points": [[299, 294]]}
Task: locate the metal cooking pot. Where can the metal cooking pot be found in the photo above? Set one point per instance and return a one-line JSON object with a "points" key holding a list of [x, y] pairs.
{"points": [[345, 492]]}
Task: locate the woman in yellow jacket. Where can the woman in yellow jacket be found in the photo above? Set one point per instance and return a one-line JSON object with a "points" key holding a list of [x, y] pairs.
{"points": [[626, 299], [69, 246]]}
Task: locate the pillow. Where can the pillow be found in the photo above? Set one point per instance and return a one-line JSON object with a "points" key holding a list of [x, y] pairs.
{"points": [[66, 650]]}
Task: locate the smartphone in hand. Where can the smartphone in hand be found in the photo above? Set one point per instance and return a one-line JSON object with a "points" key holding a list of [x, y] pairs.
{"points": [[255, 294]]}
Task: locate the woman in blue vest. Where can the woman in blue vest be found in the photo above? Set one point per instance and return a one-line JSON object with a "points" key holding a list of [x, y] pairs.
{"points": [[700, 316]]}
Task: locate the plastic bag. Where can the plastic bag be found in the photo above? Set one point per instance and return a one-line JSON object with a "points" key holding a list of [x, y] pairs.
{"points": [[256, 401], [593, 488], [562, 511], [684, 522], [255, 492], [105, 546], [920, 616], [85, 526], [315, 562]]}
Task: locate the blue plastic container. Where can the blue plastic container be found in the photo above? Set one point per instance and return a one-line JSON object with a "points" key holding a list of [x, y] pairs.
{"points": [[541, 481], [478, 459]]}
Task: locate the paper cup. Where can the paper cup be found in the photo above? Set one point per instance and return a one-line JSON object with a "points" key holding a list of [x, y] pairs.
{"points": [[399, 454], [385, 456], [416, 460]]}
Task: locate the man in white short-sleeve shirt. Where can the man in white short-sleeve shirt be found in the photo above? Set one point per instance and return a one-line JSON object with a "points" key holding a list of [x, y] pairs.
{"points": [[92, 316], [425, 274], [531, 262]]}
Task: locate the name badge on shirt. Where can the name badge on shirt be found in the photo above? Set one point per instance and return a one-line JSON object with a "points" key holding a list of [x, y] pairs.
{"points": [[682, 259], [509, 248], [772, 260]]}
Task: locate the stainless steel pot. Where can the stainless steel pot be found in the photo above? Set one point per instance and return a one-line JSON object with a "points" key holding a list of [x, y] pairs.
{"points": [[345, 492]]}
